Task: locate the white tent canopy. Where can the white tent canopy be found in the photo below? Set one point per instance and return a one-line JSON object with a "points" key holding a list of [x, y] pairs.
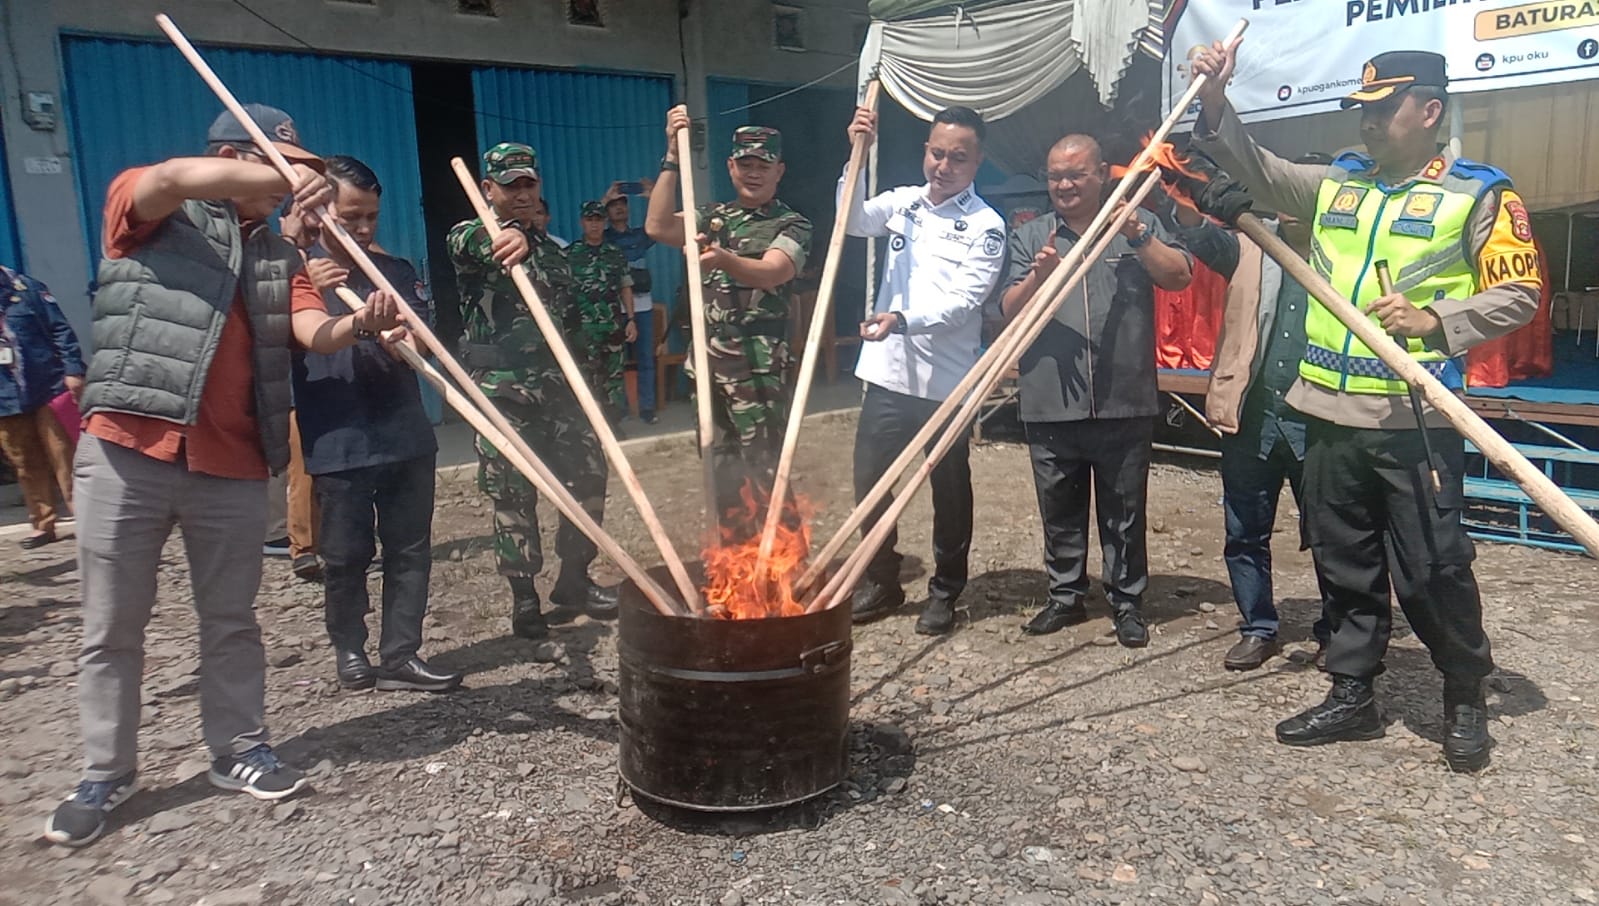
{"points": [[1001, 58]]}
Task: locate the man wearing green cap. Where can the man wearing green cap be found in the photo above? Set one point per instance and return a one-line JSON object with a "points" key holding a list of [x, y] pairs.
{"points": [[752, 249], [512, 362], [1458, 241], [604, 289]]}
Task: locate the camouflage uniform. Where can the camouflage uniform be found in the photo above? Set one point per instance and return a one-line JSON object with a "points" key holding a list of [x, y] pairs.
{"points": [[748, 329], [599, 273], [512, 363]]}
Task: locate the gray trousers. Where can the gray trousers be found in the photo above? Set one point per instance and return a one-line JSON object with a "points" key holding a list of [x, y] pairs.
{"points": [[127, 506]]}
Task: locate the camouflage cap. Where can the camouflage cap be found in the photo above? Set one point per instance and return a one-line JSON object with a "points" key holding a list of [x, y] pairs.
{"points": [[593, 209], [763, 142], [507, 162]]}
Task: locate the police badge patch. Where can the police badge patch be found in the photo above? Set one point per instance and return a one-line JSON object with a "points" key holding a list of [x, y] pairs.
{"points": [[993, 242]]}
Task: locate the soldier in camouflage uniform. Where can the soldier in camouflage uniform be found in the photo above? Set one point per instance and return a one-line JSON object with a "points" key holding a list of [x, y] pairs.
{"points": [[754, 247], [514, 365], [604, 288]]}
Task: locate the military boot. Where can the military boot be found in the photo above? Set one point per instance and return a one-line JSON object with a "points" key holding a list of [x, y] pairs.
{"points": [[578, 591], [1349, 713], [527, 616], [1466, 739]]}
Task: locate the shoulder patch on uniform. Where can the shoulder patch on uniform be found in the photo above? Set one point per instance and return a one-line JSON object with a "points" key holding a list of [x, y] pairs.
{"points": [[1435, 169], [1520, 222], [993, 242], [423, 294]]}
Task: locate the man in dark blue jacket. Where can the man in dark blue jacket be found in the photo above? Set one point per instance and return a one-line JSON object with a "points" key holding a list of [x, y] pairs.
{"points": [[38, 359], [370, 451]]}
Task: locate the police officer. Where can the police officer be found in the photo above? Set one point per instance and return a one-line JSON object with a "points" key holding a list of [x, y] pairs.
{"points": [[1458, 241], [513, 364], [753, 247], [945, 250]]}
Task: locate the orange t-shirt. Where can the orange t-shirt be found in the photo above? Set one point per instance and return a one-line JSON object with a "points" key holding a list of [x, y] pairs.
{"points": [[224, 440]]}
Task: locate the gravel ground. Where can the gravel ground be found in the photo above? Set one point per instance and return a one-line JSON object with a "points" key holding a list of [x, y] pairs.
{"points": [[986, 767]]}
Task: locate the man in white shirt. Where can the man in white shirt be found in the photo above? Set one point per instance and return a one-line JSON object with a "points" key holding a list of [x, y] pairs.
{"points": [[945, 251]]}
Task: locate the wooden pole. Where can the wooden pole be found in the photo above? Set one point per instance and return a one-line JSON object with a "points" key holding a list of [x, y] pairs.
{"points": [[1544, 492], [820, 315], [1039, 313], [698, 333], [885, 485], [585, 397], [331, 227], [534, 471]]}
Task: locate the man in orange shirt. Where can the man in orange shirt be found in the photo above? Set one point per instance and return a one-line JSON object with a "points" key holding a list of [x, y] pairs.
{"points": [[187, 402]]}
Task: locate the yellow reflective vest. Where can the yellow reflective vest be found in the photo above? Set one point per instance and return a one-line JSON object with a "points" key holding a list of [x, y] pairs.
{"points": [[1419, 228]]}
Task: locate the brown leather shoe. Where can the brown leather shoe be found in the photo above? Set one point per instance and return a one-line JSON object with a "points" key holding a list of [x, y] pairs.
{"points": [[1250, 652]]}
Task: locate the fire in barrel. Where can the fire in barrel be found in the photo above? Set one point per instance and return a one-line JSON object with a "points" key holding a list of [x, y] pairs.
{"points": [[748, 709]]}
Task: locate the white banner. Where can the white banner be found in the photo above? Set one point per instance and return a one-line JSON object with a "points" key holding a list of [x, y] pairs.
{"points": [[1302, 56]]}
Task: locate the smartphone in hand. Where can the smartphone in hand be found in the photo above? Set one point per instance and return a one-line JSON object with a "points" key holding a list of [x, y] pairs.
{"points": [[633, 187]]}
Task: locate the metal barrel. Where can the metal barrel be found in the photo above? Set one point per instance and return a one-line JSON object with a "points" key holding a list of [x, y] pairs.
{"points": [[732, 715]]}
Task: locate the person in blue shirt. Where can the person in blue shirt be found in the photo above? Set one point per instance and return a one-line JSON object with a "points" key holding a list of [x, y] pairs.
{"points": [[370, 451], [39, 359], [634, 243]]}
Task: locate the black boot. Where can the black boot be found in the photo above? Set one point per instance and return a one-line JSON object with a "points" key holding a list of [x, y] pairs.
{"points": [[579, 591], [873, 600], [1349, 713], [1466, 739], [527, 617]]}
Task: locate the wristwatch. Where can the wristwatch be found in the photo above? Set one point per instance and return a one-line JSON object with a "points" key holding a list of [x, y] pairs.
{"points": [[669, 166], [900, 326], [1141, 241]]}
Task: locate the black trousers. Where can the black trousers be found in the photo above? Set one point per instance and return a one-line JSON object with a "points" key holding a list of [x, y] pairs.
{"points": [[888, 423], [1373, 519], [1113, 454], [400, 497]]}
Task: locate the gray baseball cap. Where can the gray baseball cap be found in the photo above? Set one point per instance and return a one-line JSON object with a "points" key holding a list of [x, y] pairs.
{"points": [[279, 126]]}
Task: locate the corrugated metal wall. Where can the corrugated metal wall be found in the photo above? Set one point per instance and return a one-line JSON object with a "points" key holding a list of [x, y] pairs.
{"points": [[724, 94], [10, 244], [137, 102], [589, 129]]}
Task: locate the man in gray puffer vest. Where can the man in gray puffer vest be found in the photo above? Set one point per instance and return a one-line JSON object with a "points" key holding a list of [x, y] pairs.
{"points": [[185, 413]]}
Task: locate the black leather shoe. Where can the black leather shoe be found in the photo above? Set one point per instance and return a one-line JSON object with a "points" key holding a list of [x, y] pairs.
{"points": [[416, 676], [1466, 739], [1130, 628], [1349, 713], [33, 542], [1055, 616], [1250, 652], [583, 594], [354, 670], [938, 616], [873, 601], [527, 614]]}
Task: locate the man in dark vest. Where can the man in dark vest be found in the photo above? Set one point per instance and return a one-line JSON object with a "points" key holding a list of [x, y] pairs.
{"points": [[370, 451], [186, 412]]}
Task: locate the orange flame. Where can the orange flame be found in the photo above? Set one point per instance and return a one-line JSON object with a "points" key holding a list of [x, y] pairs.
{"points": [[1165, 157], [733, 590]]}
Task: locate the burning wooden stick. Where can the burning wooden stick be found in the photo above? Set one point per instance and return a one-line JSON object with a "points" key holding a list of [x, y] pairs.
{"points": [[585, 396], [984, 369], [1033, 319], [331, 227], [534, 471], [697, 332], [1544, 492], [822, 311]]}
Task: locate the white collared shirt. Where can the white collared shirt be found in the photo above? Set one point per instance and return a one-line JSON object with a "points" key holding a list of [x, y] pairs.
{"points": [[943, 260]]}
